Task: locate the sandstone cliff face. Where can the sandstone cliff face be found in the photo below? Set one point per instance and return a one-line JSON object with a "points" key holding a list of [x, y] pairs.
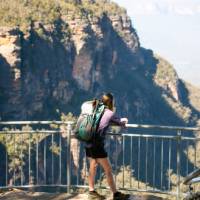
{"points": [[93, 36], [56, 66], [45, 64], [31, 72], [167, 78]]}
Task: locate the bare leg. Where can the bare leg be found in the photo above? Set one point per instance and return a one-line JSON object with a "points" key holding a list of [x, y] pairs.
{"points": [[92, 173], [104, 162]]}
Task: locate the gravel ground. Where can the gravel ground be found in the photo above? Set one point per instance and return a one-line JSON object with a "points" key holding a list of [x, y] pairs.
{"points": [[23, 195]]}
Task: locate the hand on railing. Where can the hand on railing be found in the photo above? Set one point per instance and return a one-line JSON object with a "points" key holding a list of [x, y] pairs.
{"points": [[124, 121]]}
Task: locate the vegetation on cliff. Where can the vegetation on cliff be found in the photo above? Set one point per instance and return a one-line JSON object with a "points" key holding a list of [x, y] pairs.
{"points": [[167, 78], [23, 12]]}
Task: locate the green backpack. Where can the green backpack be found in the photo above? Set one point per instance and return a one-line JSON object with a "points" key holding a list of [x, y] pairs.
{"points": [[88, 123]]}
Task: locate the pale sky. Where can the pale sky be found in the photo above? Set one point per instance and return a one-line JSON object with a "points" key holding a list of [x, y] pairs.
{"points": [[171, 28]]}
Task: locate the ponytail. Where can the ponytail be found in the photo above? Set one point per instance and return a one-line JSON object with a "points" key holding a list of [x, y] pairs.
{"points": [[108, 101]]}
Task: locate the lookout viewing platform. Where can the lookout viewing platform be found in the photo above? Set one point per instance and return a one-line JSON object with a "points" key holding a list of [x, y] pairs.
{"points": [[22, 195], [43, 160]]}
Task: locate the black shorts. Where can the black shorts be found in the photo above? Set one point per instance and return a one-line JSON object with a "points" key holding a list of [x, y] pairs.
{"points": [[96, 151]]}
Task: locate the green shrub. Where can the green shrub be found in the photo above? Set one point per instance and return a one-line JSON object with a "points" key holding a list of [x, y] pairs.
{"points": [[22, 12]]}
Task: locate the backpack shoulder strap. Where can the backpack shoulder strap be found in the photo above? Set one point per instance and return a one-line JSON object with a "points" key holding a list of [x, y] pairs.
{"points": [[96, 105]]}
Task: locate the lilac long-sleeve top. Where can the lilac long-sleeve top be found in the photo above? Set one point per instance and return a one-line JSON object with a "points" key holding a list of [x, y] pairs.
{"points": [[108, 118]]}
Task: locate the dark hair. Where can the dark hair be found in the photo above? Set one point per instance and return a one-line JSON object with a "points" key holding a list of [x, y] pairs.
{"points": [[108, 100]]}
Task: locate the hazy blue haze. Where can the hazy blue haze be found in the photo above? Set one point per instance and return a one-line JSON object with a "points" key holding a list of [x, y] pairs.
{"points": [[172, 29]]}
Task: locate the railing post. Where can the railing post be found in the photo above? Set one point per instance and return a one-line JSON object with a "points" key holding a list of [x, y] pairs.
{"points": [[69, 131], [178, 163]]}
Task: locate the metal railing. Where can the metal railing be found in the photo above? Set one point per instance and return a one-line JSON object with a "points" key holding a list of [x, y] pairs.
{"points": [[45, 154]]}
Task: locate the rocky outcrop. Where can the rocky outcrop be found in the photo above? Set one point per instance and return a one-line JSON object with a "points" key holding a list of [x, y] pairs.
{"points": [[122, 25], [167, 78], [10, 48], [31, 72], [10, 70]]}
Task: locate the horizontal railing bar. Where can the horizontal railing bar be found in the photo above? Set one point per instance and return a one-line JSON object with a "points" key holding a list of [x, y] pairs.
{"points": [[26, 132], [159, 136], [110, 134], [32, 186], [149, 136], [127, 125], [34, 122], [190, 138], [163, 127], [152, 136]]}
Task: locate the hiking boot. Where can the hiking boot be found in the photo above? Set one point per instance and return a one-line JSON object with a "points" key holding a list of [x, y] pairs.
{"points": [[120, 196], [95, 195]]}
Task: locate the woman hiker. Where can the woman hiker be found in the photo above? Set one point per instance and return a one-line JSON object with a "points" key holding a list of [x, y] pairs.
{"points": [[97, 154]]}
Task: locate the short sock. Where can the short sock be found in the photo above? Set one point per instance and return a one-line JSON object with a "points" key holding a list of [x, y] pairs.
{"points": [[116, 194]]}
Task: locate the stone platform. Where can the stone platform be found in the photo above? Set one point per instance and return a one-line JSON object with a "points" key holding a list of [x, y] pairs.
{"points": [[23, 195]]}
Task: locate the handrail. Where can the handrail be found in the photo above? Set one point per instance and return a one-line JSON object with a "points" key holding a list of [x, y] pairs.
{"points": [[163, 127], [34, 122], [127, 125], [29, 131]]}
